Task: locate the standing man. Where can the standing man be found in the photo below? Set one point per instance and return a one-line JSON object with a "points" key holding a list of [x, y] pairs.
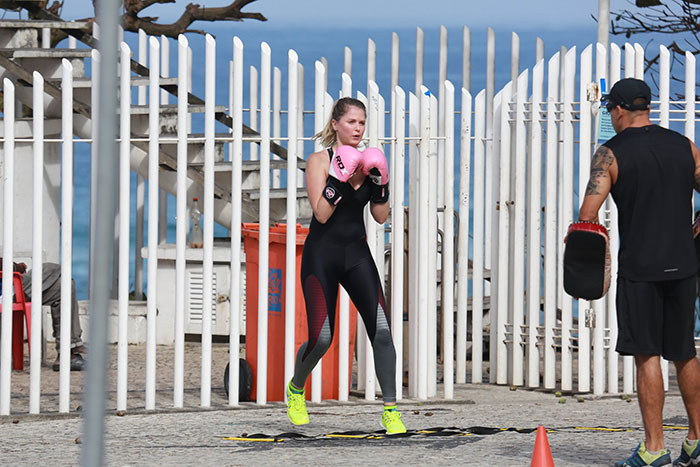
{"points": [[651, 172]]}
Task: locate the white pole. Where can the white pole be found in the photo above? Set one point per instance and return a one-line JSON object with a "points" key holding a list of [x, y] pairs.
{"points": [[66, 233], [551, 239], [629, 63], [140, 184], [395, 62], [601, 307], [7, 245], [534, 235], [124, 220], [432, 221], [638, 61], [442, 76], [585, 149], [504, 221], [478, 240], [182, 223], [567, 185], [489, 176], [423, 246], [236, 195], [292, 154], [603, 22], [448, 275], [613, 357], [276, 119], [208, 219], [420, 43], [664, 85], [319, 97], [466, 58], [152, 263], [413, 266], [37, 237], [465, 132], [519, 225], [493, 168], [164, 100], [343, 345], [347, 63], [264, 226], [690, 96], [397, 233], [253, 112]]}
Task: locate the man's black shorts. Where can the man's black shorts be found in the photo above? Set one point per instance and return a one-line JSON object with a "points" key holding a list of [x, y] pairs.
{"points": [[656, 318]]}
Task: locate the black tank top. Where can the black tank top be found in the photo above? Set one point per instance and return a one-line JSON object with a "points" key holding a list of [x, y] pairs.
{"points": [[653, 195], [347, 223]]}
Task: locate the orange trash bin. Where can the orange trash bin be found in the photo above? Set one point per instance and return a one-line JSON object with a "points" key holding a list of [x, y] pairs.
{"points": [[276, 315]]}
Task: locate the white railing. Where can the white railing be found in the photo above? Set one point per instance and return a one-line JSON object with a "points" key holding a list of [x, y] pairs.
{"points": [[519, 150]]}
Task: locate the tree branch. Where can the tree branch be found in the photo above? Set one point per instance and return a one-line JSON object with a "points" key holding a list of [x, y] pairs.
{"points": [[193, 12]]}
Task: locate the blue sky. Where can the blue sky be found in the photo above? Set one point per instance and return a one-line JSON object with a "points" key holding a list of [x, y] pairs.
{"points": [[518, 14]]}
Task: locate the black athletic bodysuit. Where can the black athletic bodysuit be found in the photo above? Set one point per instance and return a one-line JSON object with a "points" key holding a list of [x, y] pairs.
{"points": [[337, 253]]}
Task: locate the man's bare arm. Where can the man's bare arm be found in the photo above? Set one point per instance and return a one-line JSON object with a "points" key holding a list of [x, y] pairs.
{"points": [[696, 156], [599, 184]]}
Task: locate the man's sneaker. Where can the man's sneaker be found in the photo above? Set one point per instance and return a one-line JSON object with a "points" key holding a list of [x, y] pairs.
{"points": [[690, 454], [641, 457], [296, 405], [391, 421]]}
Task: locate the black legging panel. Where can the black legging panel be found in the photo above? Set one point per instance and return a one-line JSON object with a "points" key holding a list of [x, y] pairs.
{"points": [[325, 265]]}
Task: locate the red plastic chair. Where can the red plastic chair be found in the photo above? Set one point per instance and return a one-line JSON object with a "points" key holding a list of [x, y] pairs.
{"points": [[20, 307]]}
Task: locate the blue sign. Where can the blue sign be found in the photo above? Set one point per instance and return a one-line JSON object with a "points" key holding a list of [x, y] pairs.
{"points": [[274, 292]]}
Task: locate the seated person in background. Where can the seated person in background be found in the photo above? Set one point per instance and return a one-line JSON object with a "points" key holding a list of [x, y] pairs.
{"points": [[51, 296]]}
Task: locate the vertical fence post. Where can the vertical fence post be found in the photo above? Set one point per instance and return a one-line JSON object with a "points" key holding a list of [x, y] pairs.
{"points": [[550, 224], [601, 307], [182, 223], [584, 158], [398, 286], [7, 244], [414, 291], [290, 279], [236, 198], [253, 111], [37, 237], [264, 223], [504, 221], [276, 119], [140, 183], [448, 275], [690, 96], [465, 132], [344, 362], [124, 221], [466, 58], [66, 233], [152, 263], [478, 241], [493, 169], [534, 291], [519, 198], [208, 219], [164, 100], [433, 221]]}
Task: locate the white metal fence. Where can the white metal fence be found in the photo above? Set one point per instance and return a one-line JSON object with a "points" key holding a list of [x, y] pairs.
{"points": [[484, 263]]}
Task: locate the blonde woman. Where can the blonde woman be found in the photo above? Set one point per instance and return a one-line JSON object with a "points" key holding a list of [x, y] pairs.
{"points": [[340, 181]]}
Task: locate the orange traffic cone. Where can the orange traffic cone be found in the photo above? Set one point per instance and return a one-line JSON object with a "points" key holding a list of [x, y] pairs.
{"points": [[541, 455]]}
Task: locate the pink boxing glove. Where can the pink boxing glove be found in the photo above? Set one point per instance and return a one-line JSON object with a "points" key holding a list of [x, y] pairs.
{"points": [[374, 166], [345, 163]]}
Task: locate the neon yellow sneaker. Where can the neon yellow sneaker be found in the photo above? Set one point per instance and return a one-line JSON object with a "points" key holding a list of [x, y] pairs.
{"points": [[296, 405], [391, 420]]}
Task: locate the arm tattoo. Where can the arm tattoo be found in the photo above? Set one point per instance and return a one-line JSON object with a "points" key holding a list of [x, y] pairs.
{"points": [[602, 160]]}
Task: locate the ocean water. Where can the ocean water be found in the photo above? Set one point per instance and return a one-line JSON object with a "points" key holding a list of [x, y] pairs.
{"points": [[329, 43]]}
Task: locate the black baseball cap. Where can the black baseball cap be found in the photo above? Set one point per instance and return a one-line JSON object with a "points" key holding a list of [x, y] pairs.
{"points": [[625, 92]]}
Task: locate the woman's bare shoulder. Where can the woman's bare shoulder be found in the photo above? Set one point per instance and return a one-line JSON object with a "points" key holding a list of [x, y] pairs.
{"points": [[318, 158]]}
